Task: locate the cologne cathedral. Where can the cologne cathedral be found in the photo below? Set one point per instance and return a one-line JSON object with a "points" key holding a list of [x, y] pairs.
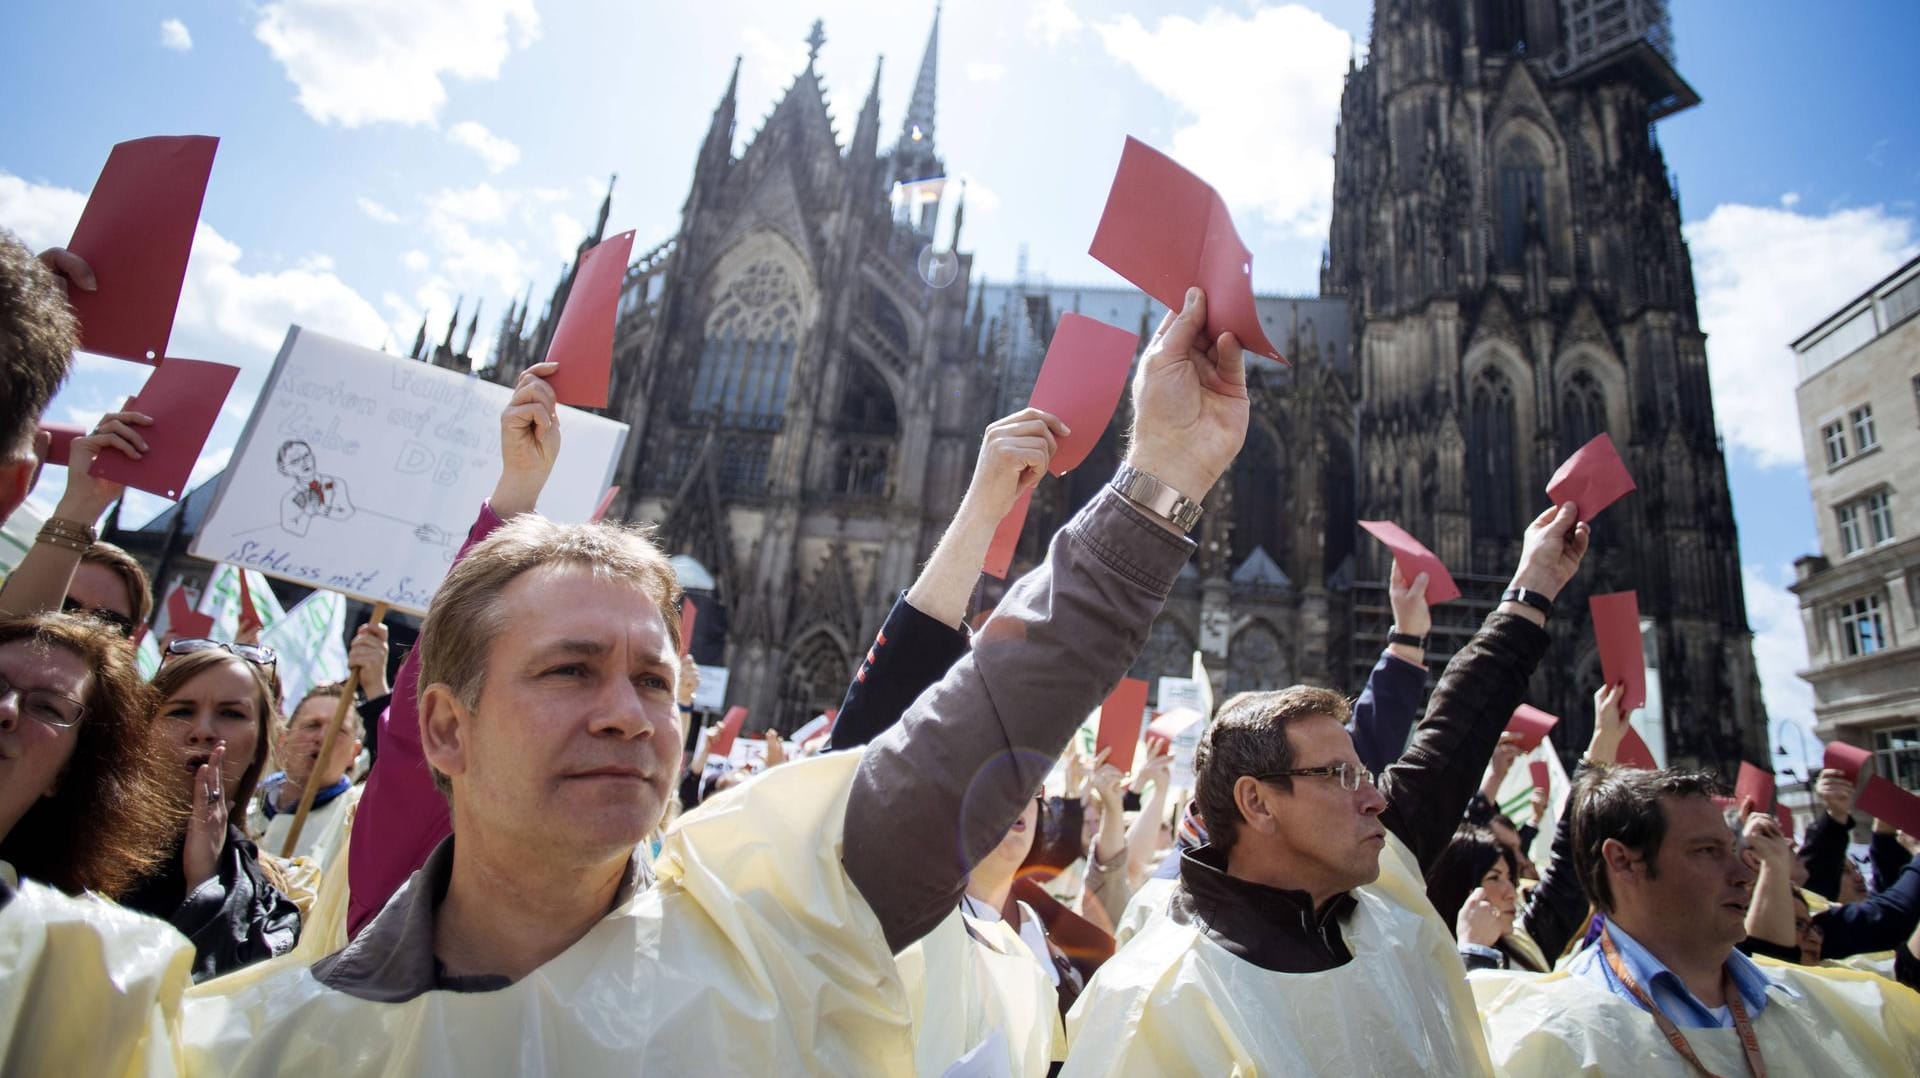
{"points": [[807, 367]]}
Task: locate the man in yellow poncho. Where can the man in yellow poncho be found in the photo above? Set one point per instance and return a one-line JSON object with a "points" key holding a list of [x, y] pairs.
{"points": [[532, 941], [1664, 991], [1300, 939]]}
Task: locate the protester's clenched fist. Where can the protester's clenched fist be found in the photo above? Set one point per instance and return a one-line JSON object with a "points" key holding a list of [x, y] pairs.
{"points": [[88, 496], [1014, 454], [529, 441], [72, 270], [1411, 614], [1762, 836], [1556, 542], [1609, 724], [1836, 792], [367, 658], [1189, 403], [1480, 921]]}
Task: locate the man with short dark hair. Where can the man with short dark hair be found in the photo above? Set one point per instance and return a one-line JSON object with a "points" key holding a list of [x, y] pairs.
{"points": [[37, 339], [1301, 937], [1663, 990]]}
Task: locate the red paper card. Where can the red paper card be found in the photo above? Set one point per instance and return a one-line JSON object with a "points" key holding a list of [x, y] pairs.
{"points": [[1120, 718], [135, 235], [583, 338], [1006, 537], [1081, 381], [249, 615], [1883, 800], [1165, 230], [1532, 724], [183, 396], [689, 616], [1635, 753], [60, 441], [722, 742], [1592, 479], [1756, 784], [1616, 628], [1414, 558], [1785, 815], [1542, 778], [606, 502], [183, 621], [1173, 723], [1845, 758]]}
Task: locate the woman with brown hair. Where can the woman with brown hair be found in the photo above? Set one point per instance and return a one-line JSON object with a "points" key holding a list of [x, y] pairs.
{"points": [[213, 729], [83, 803]]}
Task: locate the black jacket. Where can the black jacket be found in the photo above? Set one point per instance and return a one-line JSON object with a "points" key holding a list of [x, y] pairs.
{"points": [[235, 918], [1824, 850]]}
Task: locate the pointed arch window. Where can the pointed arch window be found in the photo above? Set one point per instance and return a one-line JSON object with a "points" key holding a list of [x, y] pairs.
{"points": [[816, 679], [1256, 662], [752, 341], [1583, 412], [1522, 194], [1260, 515], [1491, 455], [868, 425]]}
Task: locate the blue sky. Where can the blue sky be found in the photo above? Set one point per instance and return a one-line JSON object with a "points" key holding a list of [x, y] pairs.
{"points": [[381, 160]]}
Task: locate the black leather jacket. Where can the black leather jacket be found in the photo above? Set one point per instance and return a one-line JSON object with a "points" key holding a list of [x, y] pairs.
{"points": [[235, 918]]}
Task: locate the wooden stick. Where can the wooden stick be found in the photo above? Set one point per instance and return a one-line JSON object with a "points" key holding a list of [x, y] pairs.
{"points": [[326, 746]]}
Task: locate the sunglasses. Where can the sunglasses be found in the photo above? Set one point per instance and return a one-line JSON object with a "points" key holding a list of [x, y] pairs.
{"points": [[257, 654], [113, 619]]}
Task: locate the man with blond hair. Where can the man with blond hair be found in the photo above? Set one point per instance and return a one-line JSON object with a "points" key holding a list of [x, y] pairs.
{"points": [[762, 941]]}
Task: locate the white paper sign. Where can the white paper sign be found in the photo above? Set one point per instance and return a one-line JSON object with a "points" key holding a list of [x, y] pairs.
{"points": [[1180, 692], [711, 693], [360, 472]]}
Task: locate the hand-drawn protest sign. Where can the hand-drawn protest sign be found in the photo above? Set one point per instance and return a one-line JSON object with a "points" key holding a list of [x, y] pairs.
{"points": [[360, 471]]}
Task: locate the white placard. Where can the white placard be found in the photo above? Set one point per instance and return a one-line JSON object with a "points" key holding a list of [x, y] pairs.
{"points": [[711, 693], [360, 472], [1181, 692]]}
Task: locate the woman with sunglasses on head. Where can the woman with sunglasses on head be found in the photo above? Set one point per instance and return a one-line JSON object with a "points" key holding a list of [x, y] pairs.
{"points": [[213, 726]]}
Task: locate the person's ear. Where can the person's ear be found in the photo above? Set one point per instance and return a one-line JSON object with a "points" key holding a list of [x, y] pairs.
{"points": [[16, 480], [1256, 812], [1618, 859], [446, 729]]}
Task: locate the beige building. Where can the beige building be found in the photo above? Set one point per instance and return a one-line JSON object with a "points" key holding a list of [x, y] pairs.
{"points": [[1859, 401]]}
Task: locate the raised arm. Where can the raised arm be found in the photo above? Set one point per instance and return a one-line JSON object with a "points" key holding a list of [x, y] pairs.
{"points": [[1428, 788], [1390, 702], [1770, 911], [45, 573], [935, 793], [1825, 848], [1877, 923]]}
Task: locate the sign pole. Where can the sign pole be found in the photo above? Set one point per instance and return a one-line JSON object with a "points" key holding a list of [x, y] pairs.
{"points": [[326, 746]]}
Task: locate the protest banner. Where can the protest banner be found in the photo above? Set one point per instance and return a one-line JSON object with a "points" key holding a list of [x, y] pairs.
{"points": [[311, 642], [359, 471], [221, 600]]}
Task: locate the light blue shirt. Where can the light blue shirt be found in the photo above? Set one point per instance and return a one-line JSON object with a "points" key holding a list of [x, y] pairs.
{"points": [[1669, 994]]}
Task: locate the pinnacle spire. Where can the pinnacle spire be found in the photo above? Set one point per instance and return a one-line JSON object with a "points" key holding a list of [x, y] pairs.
{"points": [[918, 127], [815, 38], [452, 322], [606, 206], [473, 326]]}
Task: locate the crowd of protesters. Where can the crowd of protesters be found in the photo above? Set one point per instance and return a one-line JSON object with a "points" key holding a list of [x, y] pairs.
{"points": [[541, 870]]}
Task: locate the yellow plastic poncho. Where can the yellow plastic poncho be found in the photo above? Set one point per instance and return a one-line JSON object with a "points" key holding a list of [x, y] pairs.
{"points": [[965, 987], [1175, 1002], [1842, 1023], [1146, 905], [88, 988], [754, 954]]}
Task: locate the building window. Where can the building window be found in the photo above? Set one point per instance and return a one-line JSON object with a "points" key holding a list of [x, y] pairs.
{"points": [[751, 344], [1522, 199], [1490, 442], [1896, 754], [1851, 541], [1583, 412], [1834, 435], [1880, 517], [1863, 434], [1863, 628]]}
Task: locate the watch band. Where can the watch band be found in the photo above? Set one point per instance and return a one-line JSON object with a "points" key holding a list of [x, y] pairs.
{"points": [[1408, 639], [1530, 598], [1150, 493]]}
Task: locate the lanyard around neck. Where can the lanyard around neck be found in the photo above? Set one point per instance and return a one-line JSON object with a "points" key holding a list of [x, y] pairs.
{"points": [[1749, 1042]]}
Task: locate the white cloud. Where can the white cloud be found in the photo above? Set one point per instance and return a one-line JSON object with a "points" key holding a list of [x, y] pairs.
{"points": [[1052, 21], [255, 309], [371, 61], [1790, 199], [173, 35], [985, 71], [567, 232], [497, 152], [1765, 276], [415, 260], [1261, 111], [1779, 644], [377, 211]]}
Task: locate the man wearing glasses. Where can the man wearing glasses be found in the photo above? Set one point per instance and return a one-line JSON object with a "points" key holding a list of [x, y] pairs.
{"points": [[1301, 937]]}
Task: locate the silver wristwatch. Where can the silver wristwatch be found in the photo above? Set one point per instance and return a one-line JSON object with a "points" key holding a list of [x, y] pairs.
{"points": [[1150, 493]]}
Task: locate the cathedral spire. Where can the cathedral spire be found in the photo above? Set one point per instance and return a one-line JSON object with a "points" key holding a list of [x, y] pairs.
{"points": [[452, 322], [606, 206], [473, 326], [815, 39], [719, 142], [866, 132], [918, 127], [420, 338], [959, 214]]}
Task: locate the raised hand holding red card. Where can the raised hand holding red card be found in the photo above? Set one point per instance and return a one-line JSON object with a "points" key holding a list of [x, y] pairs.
{"points": [[1756, 784], [1081, 381], [183, 396], [1532, 724], [1592, 479], [583, 338], [1846, 759], [722, 743], [1414, 558], [135, 235], [183, 621], [1616, 629]]}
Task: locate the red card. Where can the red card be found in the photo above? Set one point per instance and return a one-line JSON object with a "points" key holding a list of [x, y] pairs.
{"points": [[135, 234], [689, 616], [1006, 537], [1846, 758], [1532, 724], [1785, 816], [583, 338], [1635, 753], [183, 396], [1165, 230], [1120, 718], [1754, 783], [722, 742], [1616, 628], [1592, 479], [1883, 800], [1081, 381], [1414, 558], [1172, 724], [249, 616], [60, 443], [1542, 778], [606, 502], [183, 620]]}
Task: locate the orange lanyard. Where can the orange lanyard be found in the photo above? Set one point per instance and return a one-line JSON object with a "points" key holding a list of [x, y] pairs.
{"points": [[1749, 1042]]}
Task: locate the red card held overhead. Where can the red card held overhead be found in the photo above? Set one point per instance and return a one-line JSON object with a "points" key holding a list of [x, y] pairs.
{"points": [[1635, 753], [1616, 629], [183, 621], [1784, 815], [1756, 784], [722, 742], [135, 235], [689, 617], [1081, 381], [60, 438], [1165, 230], [1006, 537], [1532, 724], [183, 397], [1120, 718], [1847, 759], [1414, 558], [1542, 777], [583, 338], [1592, 479], [1883, 800]]}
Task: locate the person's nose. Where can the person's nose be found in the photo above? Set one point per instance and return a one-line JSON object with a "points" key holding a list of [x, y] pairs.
{"points": [[1372, 801], [623, 711], [200, 730], [9, 709]]}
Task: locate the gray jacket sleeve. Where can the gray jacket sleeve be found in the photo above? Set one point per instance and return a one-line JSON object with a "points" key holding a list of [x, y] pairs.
{"points": [[939, 789]]}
